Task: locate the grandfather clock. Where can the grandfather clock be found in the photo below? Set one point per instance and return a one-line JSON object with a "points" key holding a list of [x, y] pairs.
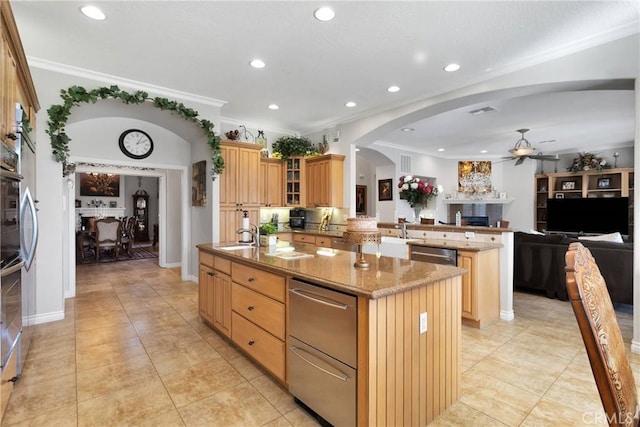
{"points": [[141, 213]]}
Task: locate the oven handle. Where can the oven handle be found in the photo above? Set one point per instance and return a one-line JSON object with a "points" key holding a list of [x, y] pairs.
{"points": [[28, 203], [330, 302], [12, 269], [295, 350]]}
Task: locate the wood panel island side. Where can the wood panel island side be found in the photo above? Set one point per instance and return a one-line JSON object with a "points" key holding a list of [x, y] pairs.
{"points": [[403, 376]]}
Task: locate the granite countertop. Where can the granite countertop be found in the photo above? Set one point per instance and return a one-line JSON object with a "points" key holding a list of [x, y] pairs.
{"points": [[334, 268], [317, 232], [446, 227], [460, 245]]}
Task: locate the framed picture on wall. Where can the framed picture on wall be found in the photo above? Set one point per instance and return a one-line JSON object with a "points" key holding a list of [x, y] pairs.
{"points": [[100, 184], [199, 184], [361, 199], [385, 189]]}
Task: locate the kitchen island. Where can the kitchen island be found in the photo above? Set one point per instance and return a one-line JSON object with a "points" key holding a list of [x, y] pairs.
{"points": [[403, 376]]}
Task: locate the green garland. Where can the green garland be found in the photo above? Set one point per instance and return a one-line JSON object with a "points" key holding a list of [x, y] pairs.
{"points": [[72, 97]]}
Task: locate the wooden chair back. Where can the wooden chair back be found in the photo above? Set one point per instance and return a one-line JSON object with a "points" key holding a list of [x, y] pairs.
{"points": [[602, 337], [108, 234]]}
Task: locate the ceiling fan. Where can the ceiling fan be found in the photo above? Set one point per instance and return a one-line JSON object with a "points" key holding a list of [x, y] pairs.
{"points": [[523, 150]]}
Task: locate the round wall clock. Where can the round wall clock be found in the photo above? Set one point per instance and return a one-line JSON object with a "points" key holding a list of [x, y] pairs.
{"points": [[136, 144]]}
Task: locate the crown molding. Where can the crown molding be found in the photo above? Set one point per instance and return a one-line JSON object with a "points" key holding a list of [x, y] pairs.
{"points": [[122, 82]]}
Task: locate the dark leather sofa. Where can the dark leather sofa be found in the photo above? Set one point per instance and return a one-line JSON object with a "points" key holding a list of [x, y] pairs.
{"points": [[539, 265]]}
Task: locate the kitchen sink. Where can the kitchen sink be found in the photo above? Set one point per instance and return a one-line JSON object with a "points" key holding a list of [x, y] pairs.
{"points": [[395, 247], [233, 248]]}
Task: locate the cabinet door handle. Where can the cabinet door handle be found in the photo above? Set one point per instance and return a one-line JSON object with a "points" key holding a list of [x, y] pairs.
{"points": [[12, 136], [250, 308], [251, 279], [252, 342], [211, 273]]}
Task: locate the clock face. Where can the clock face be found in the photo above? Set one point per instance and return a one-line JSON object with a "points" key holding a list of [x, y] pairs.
{"points": [[136, 144]]}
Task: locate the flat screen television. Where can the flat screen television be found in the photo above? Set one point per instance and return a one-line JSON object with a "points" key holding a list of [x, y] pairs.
{"points": [[589, 215]]}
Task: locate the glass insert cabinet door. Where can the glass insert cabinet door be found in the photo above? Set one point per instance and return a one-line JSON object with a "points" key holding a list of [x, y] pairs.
{"points": [[141, 213]]}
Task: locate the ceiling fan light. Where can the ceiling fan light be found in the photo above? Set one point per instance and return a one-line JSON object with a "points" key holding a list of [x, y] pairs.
{"points": [[521, 151]]}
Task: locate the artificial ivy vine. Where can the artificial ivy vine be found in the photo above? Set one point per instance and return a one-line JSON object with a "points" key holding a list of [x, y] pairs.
{"points": [[72, 97]]}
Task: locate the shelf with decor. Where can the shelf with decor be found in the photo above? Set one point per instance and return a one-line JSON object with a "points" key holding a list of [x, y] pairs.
{"points": [[606, 183], [542, 195]]}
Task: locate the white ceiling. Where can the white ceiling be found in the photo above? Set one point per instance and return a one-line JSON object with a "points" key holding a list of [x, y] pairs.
{"points": [[313, 67]]}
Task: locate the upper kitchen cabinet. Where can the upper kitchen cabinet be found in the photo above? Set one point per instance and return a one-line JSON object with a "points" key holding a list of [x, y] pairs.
{"points": [[239, 180], [16, 85], [270, 185], [294, 182], [325, 180]]}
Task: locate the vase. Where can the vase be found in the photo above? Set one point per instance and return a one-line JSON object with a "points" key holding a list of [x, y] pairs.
{"points": [[416, 214]]}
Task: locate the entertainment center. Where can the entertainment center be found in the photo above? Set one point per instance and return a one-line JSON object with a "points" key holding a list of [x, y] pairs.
{"points": [[591, 202]]}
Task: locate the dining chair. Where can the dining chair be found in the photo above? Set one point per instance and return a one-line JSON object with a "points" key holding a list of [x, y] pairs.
{"points": [[128, 234], [108, 235], [602, 337]]}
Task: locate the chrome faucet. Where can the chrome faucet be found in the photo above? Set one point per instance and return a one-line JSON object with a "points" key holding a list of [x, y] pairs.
{"points": [[403, 229], [253, 230]]}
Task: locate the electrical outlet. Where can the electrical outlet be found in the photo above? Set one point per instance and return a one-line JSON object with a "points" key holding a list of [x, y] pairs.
{"points": [[423, 322], [469, 234]]}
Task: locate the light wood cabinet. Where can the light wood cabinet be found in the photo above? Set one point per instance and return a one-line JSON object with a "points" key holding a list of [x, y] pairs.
{"points": [[294, 182], [258, 316], [231, 221], [239, 180], [238, 187], [586, 184], [214, 292], [270, 185], [480, 287], [322, 241], [325, 176]]}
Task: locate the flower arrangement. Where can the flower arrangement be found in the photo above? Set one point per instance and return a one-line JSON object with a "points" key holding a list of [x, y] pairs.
{"points": [[587, 161], [416, 191]]}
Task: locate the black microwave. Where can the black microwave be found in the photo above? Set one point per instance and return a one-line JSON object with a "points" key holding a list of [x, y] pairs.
{"points": [[297, 219]]}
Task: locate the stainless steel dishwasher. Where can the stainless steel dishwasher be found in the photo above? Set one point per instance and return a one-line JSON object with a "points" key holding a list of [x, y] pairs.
{"points": [[434, 255], [323, 351]]}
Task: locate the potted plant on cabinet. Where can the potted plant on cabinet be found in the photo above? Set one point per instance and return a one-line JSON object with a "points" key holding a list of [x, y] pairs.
{"points": [[289, 146], [267, 234]]}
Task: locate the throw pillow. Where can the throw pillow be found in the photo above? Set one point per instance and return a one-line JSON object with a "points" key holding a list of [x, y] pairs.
{"points": [[611, 237]]}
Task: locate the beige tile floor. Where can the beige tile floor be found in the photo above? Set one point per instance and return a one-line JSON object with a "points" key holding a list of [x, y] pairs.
{"points": [[131, 351]]}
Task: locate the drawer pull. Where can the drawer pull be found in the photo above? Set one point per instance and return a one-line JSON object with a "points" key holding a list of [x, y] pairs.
{"points": [[250, 308], [252, 342], [341, 376], [316, 298], [210, 273], [251, 279]]}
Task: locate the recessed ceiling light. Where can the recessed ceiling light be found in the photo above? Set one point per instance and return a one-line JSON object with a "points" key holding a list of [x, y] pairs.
{"points": [[451, 68], [407, 129], [273, 106], [350, 104], [440, 150], [93, 13], [483, 151], [324, 14], [393, 89], [257, 63]]}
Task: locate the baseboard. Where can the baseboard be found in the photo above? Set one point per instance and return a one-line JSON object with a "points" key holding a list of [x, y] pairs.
{"points": [[45, 318]]}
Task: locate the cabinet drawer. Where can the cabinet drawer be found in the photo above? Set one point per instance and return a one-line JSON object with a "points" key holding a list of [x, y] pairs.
{"points": [[264, 282], [206, 258], [222, 264], [304, 238], [261, 310], [259, 344], [323, 241]]}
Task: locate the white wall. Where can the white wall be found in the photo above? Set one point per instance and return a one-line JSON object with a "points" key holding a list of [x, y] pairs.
{"points": [[174, 204]]}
